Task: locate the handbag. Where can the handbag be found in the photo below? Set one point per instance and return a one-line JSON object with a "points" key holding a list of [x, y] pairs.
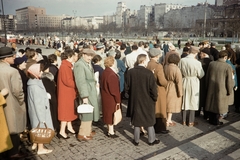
{"points": [[117, 117], [85, 108], [41, 135]]}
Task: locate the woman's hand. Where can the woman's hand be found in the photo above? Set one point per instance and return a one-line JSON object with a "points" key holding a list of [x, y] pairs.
{"points": [[85, 100]]}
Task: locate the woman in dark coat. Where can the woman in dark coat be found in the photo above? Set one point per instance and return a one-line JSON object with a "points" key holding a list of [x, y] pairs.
{"points": [[110, 93], [142, 89]]}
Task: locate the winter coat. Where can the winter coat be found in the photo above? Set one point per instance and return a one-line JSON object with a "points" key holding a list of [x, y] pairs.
{"points": [[15, 109], [38, 104], [66, 89], [121, 70], [50, 86], [5, 139], [110, 93], [219, 86], [192, 71], [174, 88], [161, 106], [86, 85], [142, 89]]}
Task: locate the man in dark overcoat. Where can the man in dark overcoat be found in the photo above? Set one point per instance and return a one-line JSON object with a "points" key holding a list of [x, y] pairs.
{"points": [[142, 89], [219, 83]]}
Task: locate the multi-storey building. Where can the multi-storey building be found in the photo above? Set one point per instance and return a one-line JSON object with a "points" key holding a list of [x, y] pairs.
{"points": [[121, 7], [10, 23], [27, 17]]}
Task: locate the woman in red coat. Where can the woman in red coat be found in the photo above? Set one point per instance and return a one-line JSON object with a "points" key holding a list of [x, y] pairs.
{"points": [[110, 92], [66, 94]]}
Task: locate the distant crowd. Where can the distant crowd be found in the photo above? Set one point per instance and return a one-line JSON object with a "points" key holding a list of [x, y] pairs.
{"points": [[155, 78]]}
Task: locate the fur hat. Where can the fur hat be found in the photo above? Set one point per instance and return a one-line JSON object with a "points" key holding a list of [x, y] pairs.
{"points": [[35, 70], [6, 52]]}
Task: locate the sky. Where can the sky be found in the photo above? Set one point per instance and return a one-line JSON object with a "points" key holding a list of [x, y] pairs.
{"points": [[87, 7]]}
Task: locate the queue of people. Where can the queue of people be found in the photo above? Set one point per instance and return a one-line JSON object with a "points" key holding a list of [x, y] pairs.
{"points": [[156, 84]]}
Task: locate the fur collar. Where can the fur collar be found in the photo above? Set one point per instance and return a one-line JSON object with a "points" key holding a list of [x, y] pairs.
{"points": [[47, 75]]}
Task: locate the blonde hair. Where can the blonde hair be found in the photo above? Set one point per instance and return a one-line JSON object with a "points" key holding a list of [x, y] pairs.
{"points": [[109, 61], [57, 53]]}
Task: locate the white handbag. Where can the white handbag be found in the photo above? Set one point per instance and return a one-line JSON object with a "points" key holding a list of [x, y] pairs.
{"points": [[85, 108]]}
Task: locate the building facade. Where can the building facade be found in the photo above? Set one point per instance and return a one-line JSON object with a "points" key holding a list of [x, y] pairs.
{"points": [[10, 23]]}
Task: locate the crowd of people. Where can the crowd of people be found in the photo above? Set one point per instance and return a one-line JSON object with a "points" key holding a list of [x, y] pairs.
{"points": [[156, 79]]}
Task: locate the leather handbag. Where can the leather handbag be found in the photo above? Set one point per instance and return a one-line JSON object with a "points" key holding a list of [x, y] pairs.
{"points": [[117, 117], [41, 135], [85, 108]]}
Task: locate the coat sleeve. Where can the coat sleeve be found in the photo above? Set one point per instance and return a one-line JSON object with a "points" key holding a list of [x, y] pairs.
{"points": [[38, 102], [179, 82], [153, 87], [161, 76], [67, 77], [230, 81], [17, 90], [200, 71], [113, 85], [80, 78]]}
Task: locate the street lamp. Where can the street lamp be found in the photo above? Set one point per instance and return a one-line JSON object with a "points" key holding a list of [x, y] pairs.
{"points": [[205, 19], [4, 23]]}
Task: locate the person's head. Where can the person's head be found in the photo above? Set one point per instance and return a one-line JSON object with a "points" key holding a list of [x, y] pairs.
{"points": [[100, 46], [140, 44], [31, 54], [52, 58], [57, 53], [141, 60], [186, 50], [155, 53], [223, 55], [134, 47], [20, 62], [206, 44], [7, 55], [118, 54], [35, 71], [171, 47], [205, 52], [87, 55], [230, 54], [68, 55], [109, 61], [213, 45], [200, 45], [96, 59], [39, 51], [123, 47], [194, 50], [173, 58], [112, 53]]}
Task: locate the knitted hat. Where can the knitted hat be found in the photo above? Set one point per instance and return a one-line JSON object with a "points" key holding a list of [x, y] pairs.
{"points": [[35, 70]]}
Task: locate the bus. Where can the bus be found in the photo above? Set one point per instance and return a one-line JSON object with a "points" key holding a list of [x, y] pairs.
{"points": [[11, 38]]}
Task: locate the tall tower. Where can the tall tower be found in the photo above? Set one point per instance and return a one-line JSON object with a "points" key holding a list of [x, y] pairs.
{"points": [[121, 7]]}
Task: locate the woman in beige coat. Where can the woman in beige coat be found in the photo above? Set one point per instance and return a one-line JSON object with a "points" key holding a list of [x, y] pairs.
{"points": [[174, 87], [160, 109]]}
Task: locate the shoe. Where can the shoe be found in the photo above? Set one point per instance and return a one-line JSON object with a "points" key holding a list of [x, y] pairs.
{"points": [[192, 124], [143, 133], [18, 156], [184, 123], [34, 146], [45, 151], [220, 123], [112, 135], [93, 133], [171, 124], [71, 132], [84, 138], [164, 132], [157, 141], [135, 143], [61, 136]]}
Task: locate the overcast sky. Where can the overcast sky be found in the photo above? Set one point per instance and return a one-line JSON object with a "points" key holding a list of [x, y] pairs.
{"points": [[87, 7]]}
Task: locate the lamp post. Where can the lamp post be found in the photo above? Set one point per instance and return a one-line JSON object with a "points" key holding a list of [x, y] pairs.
{"points": [[4, 23], [205, 19]]}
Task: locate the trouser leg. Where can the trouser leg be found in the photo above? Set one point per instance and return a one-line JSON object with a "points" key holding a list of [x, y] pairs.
{"points": [[191, 116], [16, 144], [85, 128], [184, 115], [136, 134]]}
